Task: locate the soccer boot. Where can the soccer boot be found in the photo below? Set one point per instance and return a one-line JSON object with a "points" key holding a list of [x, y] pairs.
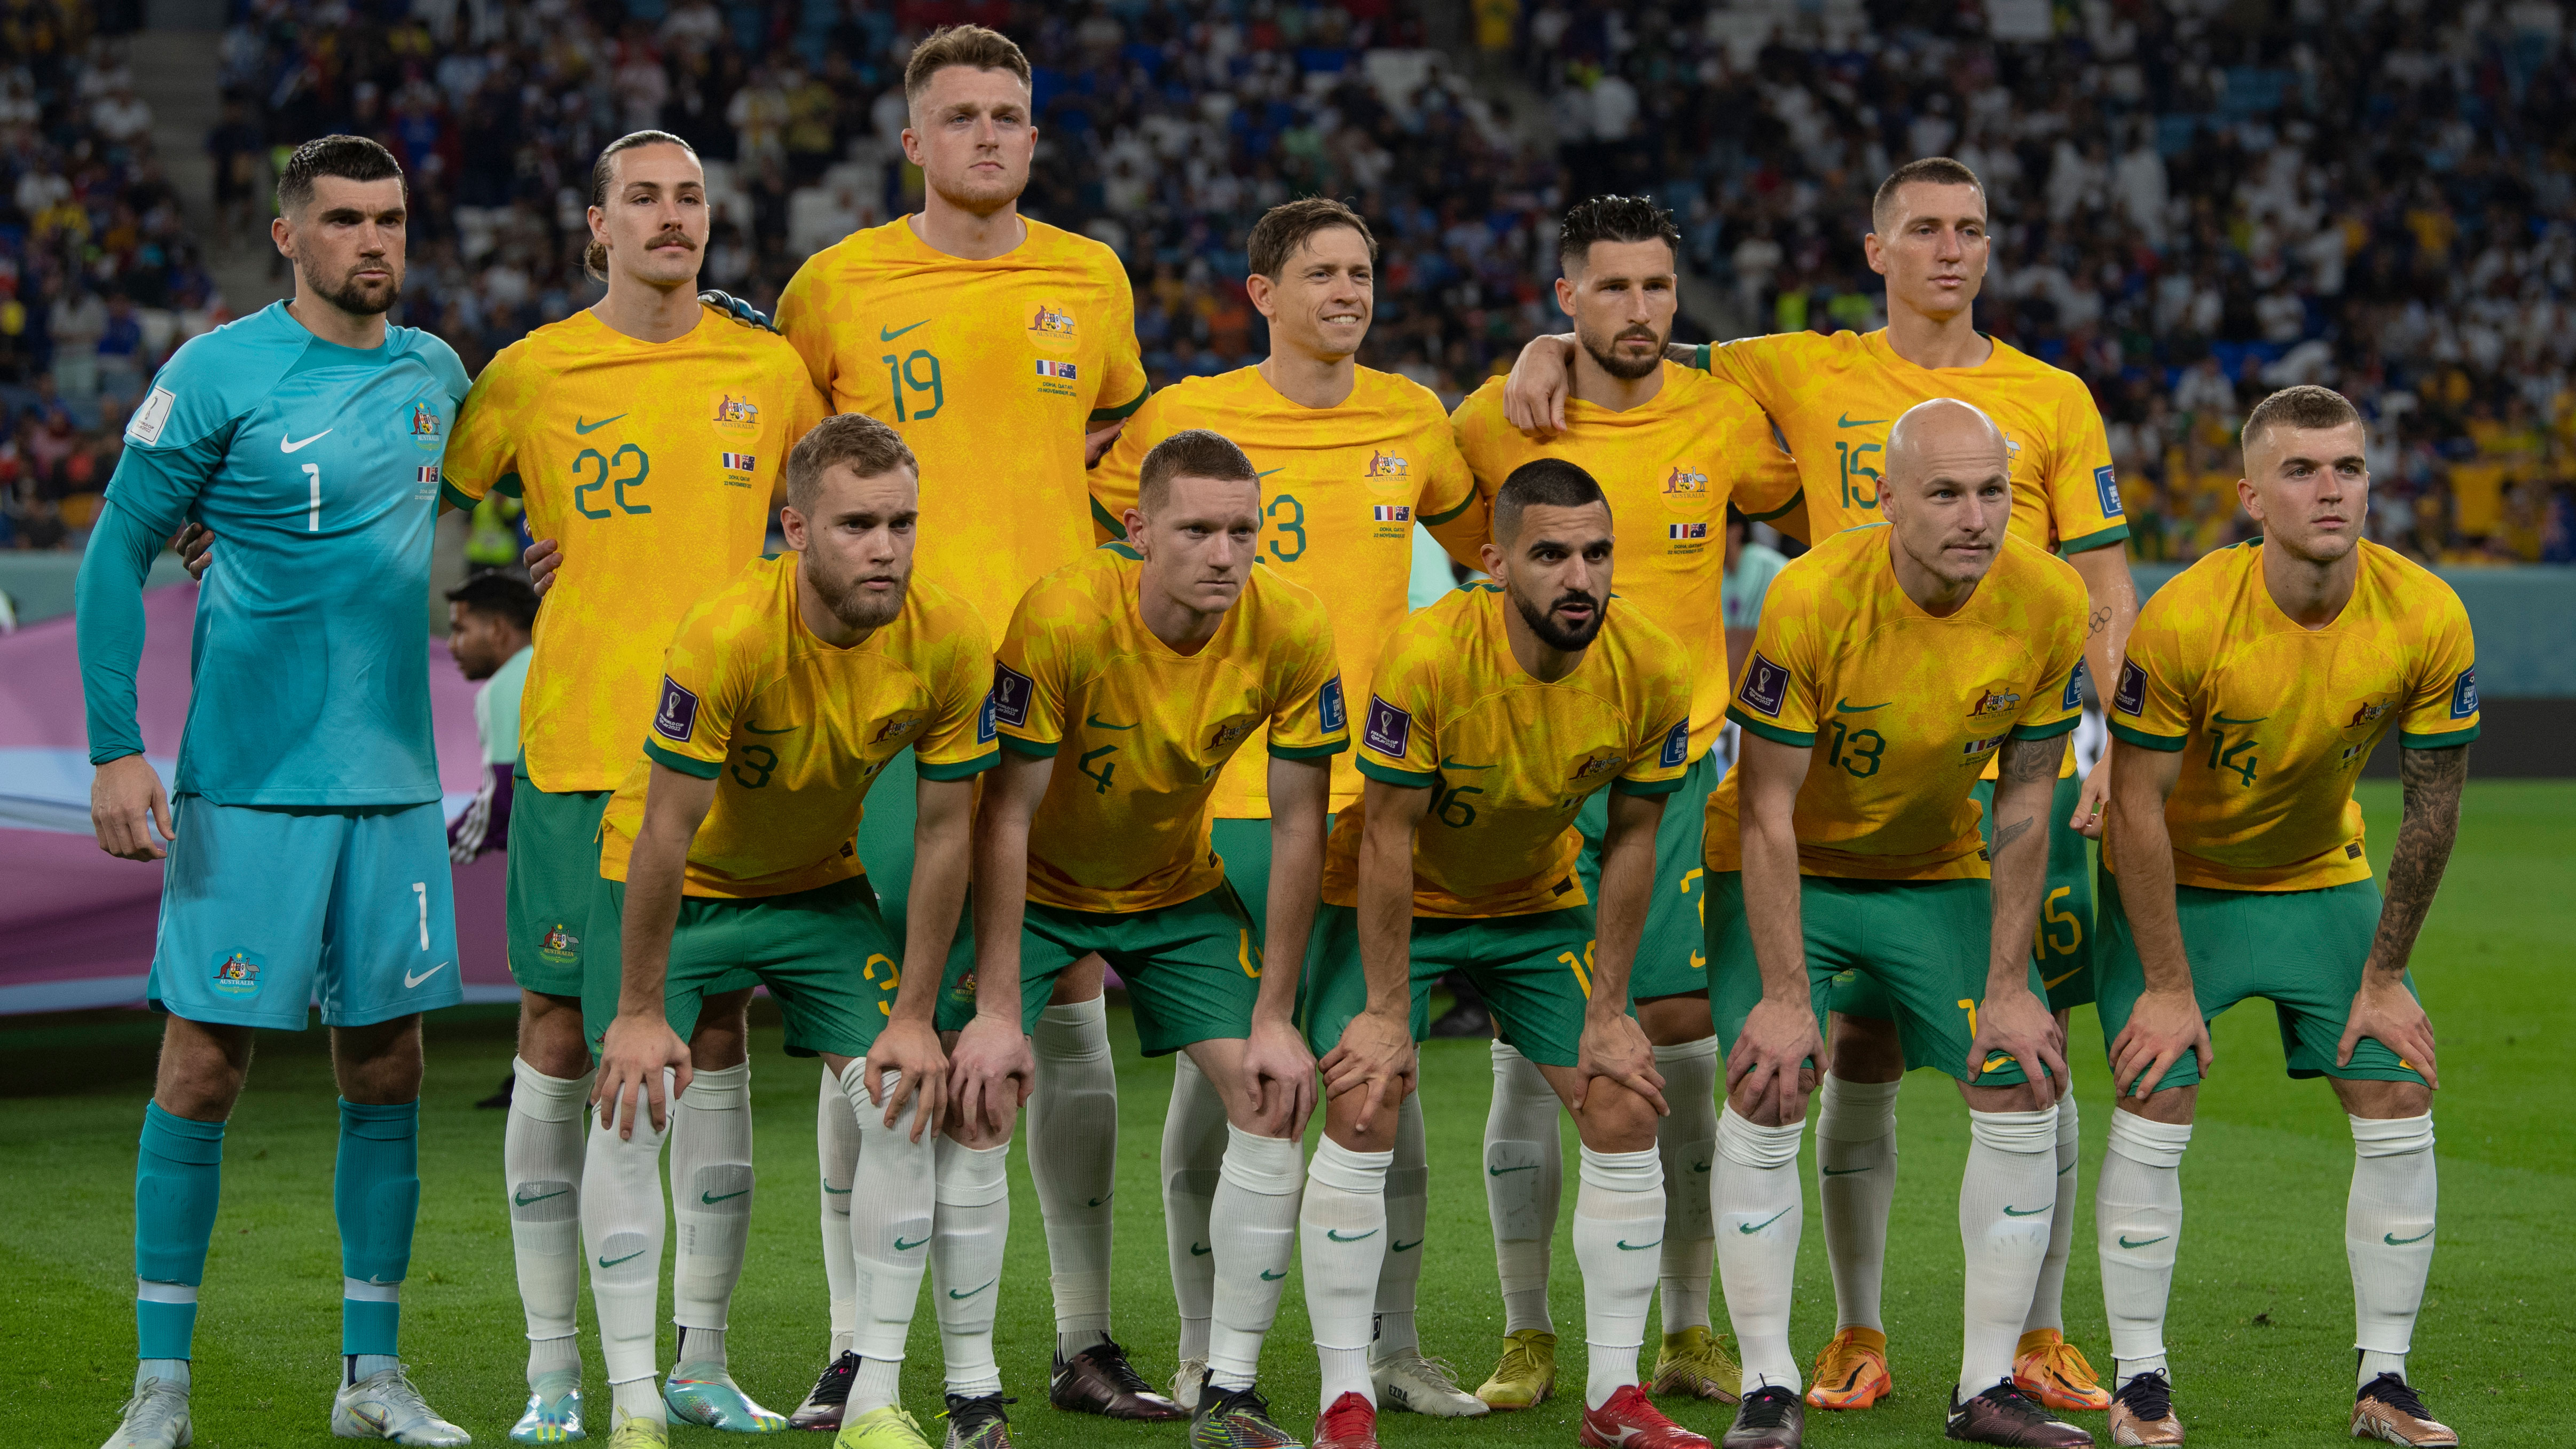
{"points": [[1185, 1383], [634, 1431], [831, 1394], [1629, 1420], [2142, 1412], [554, 1410], [155, 1418], [2387, 1409], [1526, 1374], [1851, 1372], [978, 1422], [1420, 1385], [705, 1394], [1771, 1418], [2006, 1415], [1236, 1419], [886, 1428], [1100, 1380], [2053, 1371], [386, 1406], [1351, 1423], [1695, 1362]]}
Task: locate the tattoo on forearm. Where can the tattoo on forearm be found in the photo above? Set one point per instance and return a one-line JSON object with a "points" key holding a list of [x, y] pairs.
{"points": [[2431, 781], [2028, 760], [2100, 621], [2005, 835]]}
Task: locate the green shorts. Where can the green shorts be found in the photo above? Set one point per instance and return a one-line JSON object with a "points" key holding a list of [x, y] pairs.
{"points": [[2065, 944], [1244, 846], [1534, 971], [553, 866], [1918, 947], [2303, 951], [1192, 970], [824, 954], [1669, 962]]}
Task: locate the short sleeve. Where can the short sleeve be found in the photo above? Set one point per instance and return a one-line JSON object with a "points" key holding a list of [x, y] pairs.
{"points": [[806, 323], [701, 696], [2083, 496], [2151, 708], [806, 413], [2442, 707], [1309, 718], [1762, 479], [482, 454], [1398, 741], [1030, 677], [1114, 479], [176, 439], [1754, 364], [1122, 380], [1778, 698], [1660, 756], [2055, 707], [960, 740], [1448, 490]]}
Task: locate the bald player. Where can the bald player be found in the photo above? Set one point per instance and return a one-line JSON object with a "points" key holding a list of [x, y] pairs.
{"points": [[1890, 662]]}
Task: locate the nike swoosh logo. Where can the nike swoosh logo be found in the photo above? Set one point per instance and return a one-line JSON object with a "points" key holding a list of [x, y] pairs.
{"points": [[579, 426], [2013, 1212], [971, 1292], [781, 730], [1628, 1247], [410, 981], [888, 334], [2142, 1242], [1699, 1167], [1335, 1235], [1096, 722], [286, 444], [1454, 765], [2222, 719], [1097, 1201], [1499, 1171], [613, 1262], [1844, 706], [1197, 1252], [1266, 472], [837, 1191], [712, 1198], [1840, 1171], [540, 1197], [1848, 421], [1751, 1228], [1269, 1277], [2050, 983], [1397, 1245], [901, 1246], [2394, 1241]]}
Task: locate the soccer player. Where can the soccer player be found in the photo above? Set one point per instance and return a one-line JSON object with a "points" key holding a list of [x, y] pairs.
{"points": [[1495, 715], [646, 434], [314, 857], [1350, 460], [1126, 682], [1833, 397], [1032, 329], [489, 619], [727, 849], [2256, 686], [1891, 661], [1669, 444]]}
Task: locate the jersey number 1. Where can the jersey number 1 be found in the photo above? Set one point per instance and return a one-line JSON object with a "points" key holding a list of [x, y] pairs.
{"points": [[313, 513]]}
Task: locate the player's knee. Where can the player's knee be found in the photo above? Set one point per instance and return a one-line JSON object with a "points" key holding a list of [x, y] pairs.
{"points": [[1615, 1119], [1676, 1020], [550, 1036], [1866, 1049], [2377, 1100]]}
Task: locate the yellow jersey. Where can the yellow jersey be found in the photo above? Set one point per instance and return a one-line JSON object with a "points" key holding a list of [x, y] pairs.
{"points": [[1341, 488], [1040, 344], [653, 465], [1510, 759], [1834, 398], [1902, 709], [1669, 467], [1140, 732], [794, 730], [2278, 719]]}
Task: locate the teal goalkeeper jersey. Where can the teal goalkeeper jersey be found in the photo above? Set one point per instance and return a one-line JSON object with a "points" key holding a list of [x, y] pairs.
{"points": [[317, 466]]}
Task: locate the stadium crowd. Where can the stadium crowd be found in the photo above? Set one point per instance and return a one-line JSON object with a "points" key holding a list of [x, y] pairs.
{"points": [[2188, 211]]}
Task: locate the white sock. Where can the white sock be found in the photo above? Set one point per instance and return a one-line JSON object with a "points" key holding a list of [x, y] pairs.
{"points": [[1341, 1232], [2048, 1300], [637, 1399], [2137, 1225], [2388, 1236], [1620, 1200], [1524, 1177], [2007, 1196], [974, 1223], [172, 1371], [541, 1154], [1687, 1141], [1408, 1211], [1073, 1158], [836, 1145], [1193, 1146], [711, 1184], [1856, 1190], [1760, 1209], [1255, 1223], [622, 1232], [893, 1202]]}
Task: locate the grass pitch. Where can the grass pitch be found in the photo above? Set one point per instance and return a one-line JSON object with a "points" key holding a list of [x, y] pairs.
{"points": [[2260, 1330]]}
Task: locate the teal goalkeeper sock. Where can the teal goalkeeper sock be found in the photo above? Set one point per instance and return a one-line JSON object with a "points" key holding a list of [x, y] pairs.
{"points": [[375, 1195], [178, 1177]]}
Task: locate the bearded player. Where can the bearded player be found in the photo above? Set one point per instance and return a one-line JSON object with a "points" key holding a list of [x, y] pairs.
{"points": [[2256, 687], [1669, 445], [1833, 398], [981, 335], [1350, 460]]}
